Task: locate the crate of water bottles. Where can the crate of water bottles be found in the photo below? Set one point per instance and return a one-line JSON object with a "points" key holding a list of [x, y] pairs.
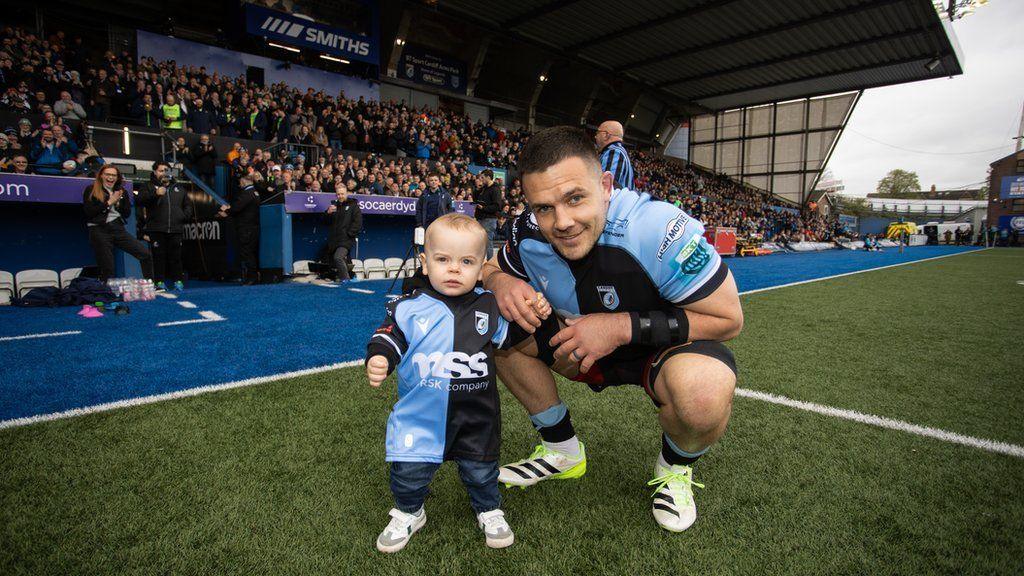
{"points": [[133, 289]]}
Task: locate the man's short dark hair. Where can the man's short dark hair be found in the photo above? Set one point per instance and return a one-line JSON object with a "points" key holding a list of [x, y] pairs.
{"points": [[553, 145], [487, 173], [434, 174], [158, 164]]}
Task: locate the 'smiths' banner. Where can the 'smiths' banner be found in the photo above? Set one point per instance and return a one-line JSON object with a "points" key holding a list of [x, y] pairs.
{"points": [[292, 30]]}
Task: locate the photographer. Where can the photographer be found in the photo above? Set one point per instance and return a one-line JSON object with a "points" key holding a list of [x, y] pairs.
{"points": [[106, 207], [168, 208], [346, 221]]}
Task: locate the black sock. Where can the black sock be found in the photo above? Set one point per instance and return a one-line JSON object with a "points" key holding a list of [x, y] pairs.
{"points": [[675, 456]]}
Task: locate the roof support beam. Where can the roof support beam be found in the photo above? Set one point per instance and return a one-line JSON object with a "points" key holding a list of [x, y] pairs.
{"points": [[874, 66], [647, 24], [766, 31], [532, 112], [538, 12], [396, 48], [797, 56], [590, 101], [478, 64]]}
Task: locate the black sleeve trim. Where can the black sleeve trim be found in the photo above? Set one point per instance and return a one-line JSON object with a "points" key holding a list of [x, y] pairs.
{"points": [[709, 287], [376, 348]]}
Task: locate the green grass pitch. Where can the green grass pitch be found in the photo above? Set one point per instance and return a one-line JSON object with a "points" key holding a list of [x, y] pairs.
{"points": [[289, 477]]}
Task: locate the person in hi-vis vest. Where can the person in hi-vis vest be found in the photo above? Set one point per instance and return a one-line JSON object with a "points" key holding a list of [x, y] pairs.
{"points": [[172, 114]]}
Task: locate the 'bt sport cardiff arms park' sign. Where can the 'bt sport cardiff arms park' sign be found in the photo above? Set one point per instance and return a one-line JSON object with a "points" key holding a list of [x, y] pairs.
{"points": [[296, 31]]}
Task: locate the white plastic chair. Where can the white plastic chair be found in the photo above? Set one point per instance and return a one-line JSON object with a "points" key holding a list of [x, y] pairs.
{"points": [[374, 269], [357, 269], [28, 279], [393, 267], [69, 274], [6, 287], [301, 267], [409, 268]]}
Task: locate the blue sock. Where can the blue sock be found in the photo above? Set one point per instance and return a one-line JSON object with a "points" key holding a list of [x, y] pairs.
{"points": [[556, 430]]}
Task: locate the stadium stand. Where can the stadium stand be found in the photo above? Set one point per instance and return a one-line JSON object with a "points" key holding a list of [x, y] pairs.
{"points": [[400, 144]]}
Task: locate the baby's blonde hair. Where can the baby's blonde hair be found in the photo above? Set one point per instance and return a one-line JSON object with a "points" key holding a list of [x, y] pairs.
{"points": [[456, 221]]}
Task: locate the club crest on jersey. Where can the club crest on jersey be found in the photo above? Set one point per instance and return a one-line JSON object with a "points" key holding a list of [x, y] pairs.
{"points": [[482, 322], [609, 297], [674, 231]]}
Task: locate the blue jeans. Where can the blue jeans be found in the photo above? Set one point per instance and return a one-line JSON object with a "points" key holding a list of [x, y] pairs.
{"points": [[410, 484], [490, 226]]}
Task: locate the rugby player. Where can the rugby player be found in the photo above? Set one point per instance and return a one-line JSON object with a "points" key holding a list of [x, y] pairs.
{"points": [[640, 299]]}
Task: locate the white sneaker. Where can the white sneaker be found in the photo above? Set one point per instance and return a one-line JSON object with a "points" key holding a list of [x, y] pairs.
{"points": [[401, 528], [496, 529], [543, 464], [674, 508]]}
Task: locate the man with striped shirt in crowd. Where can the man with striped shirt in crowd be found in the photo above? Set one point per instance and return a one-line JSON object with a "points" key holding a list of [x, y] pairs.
{"points": [[614, 158]]}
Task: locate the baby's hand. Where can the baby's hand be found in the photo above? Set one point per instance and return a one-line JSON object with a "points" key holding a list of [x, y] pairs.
{"points": [[377, 370], [540, 306]]}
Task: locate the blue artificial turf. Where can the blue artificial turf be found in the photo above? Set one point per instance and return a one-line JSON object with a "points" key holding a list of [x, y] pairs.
{"points": [[268, 330]]}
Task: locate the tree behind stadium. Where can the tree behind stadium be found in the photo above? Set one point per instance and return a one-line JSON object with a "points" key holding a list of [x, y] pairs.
{"points": [[898, 184]]}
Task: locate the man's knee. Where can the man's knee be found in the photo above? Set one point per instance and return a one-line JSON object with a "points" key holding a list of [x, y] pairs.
{"points": [[697, 388]]}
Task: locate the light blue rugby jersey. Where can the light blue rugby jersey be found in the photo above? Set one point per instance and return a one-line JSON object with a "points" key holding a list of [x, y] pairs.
{"points": [[651, 256]]}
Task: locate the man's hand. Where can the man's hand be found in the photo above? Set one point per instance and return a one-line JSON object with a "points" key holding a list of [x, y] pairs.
{"points": [[161, 190], [377, 370], [514, 298], [332, 209], [589, 338]]}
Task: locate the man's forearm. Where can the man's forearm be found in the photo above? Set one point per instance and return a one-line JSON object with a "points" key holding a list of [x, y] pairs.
{"points": [[707, 327], [491, 272]]}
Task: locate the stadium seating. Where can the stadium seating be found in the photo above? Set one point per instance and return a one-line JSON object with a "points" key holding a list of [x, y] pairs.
{"points": [[6, 287], [409, 267], [373, 269], [28, 279], [301, 267], [69, 274], [358, 271], [393, 267]]}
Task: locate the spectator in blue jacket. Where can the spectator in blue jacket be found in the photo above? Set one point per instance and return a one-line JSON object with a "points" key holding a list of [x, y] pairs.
{"points": [[47, 155], [433, 203], [200, 119], [422, 147]]}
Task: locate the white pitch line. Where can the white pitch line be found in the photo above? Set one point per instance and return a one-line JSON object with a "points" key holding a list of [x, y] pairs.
{"points": [[360, 290], [186, 304], [167, 295], [170, 395], [890, 423], [880, 421], [207, 316], [46, 335], [767, 288]]}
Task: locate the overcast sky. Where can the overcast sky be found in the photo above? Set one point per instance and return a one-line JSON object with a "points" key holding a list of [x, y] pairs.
{"points": [[978, 110]]}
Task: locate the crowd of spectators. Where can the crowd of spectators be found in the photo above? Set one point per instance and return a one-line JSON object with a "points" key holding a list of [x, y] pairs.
{"points": [[52, 80]]}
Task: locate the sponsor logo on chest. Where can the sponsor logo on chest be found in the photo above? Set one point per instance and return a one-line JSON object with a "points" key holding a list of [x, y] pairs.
{"points": [[451, 365]]}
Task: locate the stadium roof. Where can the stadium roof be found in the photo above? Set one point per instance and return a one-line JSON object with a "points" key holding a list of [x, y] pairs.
{"points": [[724, 54]]}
